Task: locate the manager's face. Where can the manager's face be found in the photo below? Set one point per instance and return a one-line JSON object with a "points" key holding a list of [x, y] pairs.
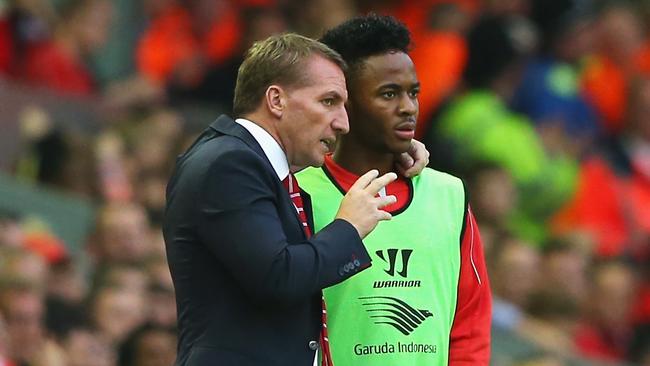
{"points": [[314, 113]]}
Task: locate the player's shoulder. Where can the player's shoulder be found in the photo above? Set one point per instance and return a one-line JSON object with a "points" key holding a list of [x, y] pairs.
{"points": [[441, 178], [310, 170]]}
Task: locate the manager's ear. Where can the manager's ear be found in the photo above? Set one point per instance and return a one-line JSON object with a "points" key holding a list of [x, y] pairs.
{"points": [[275, 100]]}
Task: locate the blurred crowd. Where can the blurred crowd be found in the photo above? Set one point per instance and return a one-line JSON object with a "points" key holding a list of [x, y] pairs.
{"points": [[541, 106]]}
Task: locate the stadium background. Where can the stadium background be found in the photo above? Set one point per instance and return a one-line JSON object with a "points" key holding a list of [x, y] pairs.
{"points": [[542, 106]]}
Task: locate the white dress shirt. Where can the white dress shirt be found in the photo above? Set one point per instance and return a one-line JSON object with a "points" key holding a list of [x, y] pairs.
{"points": [[270, 146]]}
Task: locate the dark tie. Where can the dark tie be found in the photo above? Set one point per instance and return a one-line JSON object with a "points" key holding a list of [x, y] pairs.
{"points": [[291, 184]]}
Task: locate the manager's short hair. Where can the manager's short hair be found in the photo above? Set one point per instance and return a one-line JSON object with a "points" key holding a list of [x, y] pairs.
{"points": [[276, 60]]}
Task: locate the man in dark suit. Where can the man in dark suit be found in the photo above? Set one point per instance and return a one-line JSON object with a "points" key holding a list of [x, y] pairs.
{"points": [[248, 275]]}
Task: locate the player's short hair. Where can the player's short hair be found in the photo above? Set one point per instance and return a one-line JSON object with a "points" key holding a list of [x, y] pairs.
{"points": [[365, 36]]}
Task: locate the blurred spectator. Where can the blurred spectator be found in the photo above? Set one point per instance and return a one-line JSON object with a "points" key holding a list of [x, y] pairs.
{"points": [[149, 144], [612, 202], [62, 316], [66, 290], [59, 63], [149, 345], [313, 17], [216, 84], [115, 60], [6, 41], [114, 181], [124, 276], [4, 343], [66, 282], [439, 55], [565, 267], [478, 126], [162, 305], [22, 266], [153, 140], [23, 308], [162, 300], [115, 312], [549, 92], [514, 272], [416, 14], [22, 23], [552, 321], [85, 347], [494, 195], [167, 42], [606, 331], [556, 304], [122, 234], [150, 191], [51, 156], [623, 54], [158, 251], [192, 49], [11, 234], [45, 150], [219, 25]]}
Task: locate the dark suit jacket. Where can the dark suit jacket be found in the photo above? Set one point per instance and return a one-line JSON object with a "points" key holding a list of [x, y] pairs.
{"points": [[248, 282]]}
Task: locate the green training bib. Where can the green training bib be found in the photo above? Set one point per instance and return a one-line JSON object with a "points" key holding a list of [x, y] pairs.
{"points": [[400, 310]]}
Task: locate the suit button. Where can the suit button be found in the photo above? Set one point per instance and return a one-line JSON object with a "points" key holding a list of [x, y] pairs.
{"points": [[313, 345]]}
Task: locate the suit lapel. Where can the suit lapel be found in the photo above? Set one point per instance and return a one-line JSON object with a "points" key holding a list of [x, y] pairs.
{"points": [[227, 126]]}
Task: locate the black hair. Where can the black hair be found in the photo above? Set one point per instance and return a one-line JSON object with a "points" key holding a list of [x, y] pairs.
{"points": [[365, 36]]}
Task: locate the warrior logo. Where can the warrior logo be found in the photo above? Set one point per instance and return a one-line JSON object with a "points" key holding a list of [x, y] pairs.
{"points": [[392, 258], [394, 312]]}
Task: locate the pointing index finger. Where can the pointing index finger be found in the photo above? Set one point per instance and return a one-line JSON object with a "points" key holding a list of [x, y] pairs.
{"points": [[365, 179], [377, 184]]}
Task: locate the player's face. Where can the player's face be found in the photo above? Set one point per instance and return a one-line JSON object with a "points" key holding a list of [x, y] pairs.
{"points": [[383, 103], [314, 114]]}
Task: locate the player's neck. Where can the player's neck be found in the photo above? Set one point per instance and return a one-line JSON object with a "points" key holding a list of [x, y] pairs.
{"points": [[358, 160]]}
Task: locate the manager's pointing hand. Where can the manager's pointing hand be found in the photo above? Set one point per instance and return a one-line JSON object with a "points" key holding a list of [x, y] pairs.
{"points": [[361, 206]]}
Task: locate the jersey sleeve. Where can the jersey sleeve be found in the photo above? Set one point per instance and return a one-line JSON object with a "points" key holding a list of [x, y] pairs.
{"points": [[470, 333]]}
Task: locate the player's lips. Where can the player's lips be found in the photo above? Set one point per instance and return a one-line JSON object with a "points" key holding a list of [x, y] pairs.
{"points": [[405, 130]]}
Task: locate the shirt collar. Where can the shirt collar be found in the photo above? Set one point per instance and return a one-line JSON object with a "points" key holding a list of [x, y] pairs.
{"points": [[270, 146]]}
